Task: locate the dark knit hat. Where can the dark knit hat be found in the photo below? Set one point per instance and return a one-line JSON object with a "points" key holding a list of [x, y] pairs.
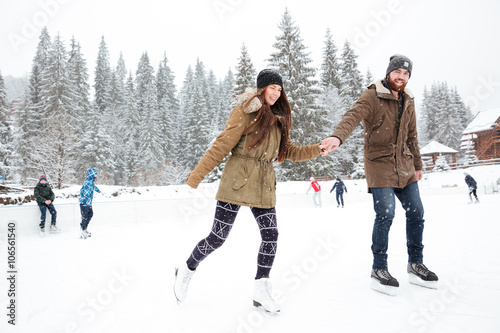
{"points": [[42, 177], [267, 77], [399, 61]]}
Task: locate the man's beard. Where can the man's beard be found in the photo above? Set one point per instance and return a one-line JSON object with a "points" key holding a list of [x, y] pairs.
{"points": [[394, 86]]}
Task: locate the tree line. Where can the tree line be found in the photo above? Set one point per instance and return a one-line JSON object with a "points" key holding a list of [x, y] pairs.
{"points": [[138, 129]]}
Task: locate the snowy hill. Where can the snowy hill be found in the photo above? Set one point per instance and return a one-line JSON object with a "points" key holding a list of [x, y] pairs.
{"points": [[121, 279]]}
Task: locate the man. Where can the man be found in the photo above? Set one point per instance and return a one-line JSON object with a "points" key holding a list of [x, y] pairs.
{"points": [[44, 197], [392, 166], [471, 183], [340, 188]]}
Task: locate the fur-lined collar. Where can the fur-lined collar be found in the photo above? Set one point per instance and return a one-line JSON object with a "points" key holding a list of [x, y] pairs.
{"points": [[254, 105], [383, 92]]}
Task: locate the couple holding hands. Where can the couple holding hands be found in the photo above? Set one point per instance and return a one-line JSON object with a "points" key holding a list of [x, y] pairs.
{"points": [[257, 134]]}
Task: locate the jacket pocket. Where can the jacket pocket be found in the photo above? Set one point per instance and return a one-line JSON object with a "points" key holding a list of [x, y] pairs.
{"points": [[374, 152], [408, 152], [244, 172]]}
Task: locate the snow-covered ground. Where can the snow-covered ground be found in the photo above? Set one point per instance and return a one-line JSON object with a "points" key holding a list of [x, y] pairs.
{"points": [[121, 279]]}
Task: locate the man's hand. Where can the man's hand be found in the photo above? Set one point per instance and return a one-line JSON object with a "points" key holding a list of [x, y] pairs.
{"points": [[419, 174], [330, 144], [48, 202]]}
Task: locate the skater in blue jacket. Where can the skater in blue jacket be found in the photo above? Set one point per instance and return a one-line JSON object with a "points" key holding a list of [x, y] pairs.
{"points": [[471, 183], [340, 186], [86, 196]]}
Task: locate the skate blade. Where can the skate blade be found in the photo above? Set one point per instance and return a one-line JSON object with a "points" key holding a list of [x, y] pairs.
{"points": [[413, 279], [261, 307], [388, 290], [175, 294]]}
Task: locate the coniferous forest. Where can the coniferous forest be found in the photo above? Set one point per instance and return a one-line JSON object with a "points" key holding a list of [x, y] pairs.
{"points": [[135, 126]]}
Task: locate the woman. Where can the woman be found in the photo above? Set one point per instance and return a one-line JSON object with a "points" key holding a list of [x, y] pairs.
{"points": [[256, 134]]}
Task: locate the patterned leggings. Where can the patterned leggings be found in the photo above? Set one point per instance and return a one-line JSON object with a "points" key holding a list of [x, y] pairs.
{"points": [[225, 214]]}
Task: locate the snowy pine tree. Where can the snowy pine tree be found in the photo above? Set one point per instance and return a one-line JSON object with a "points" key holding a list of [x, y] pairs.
{"points": [[463, 114], [168, 106], [78, 77], [6, 145], [329, 98], [198, 137], [115, 116], [226, 103], [245, 73], [184, 116], [102, 76], [213, 99], [369, 77], [56, 141], [350, 154], [29, 114], [150, 138], [443, 115], [131, 125], [309, 121], [97, 147], [351, 79], [34, 108], [330, 68]]}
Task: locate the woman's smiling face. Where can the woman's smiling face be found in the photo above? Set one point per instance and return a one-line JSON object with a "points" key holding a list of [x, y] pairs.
{"points": [[272, 93]]}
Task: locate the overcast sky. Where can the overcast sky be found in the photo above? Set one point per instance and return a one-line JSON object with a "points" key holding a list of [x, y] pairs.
{"points": [[453, 41]]}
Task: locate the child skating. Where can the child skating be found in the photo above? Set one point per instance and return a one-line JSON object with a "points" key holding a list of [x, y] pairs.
{"points": [[86, 196]]}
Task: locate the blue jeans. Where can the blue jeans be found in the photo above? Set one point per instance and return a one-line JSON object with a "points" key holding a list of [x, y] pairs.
{"points": [[43, 210], [87, 214], [340, 198], [384, 205]]}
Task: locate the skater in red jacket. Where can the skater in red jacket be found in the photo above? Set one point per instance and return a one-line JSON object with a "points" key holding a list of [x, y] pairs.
{"points": [[317, 192]]}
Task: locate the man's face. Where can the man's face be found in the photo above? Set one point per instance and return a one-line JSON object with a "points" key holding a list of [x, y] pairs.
{"points": [[398, 79], [43, 182]]}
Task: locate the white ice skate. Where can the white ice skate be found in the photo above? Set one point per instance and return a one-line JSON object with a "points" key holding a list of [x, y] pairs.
{"points": [[42, 232], [183, 276], [383, 282], [262, 296], [420, 275], [85, 234], [54, 229]]}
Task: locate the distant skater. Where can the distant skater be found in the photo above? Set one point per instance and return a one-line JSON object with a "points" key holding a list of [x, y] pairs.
{"points": [[317, 192], [86, 196], [471, 182], [44, 197], [340, 188]]}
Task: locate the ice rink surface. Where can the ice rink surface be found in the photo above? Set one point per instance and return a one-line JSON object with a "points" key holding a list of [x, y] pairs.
{"points": [[121, 279]]}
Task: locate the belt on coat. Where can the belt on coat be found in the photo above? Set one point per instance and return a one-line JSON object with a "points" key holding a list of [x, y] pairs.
{"points": [[265, 163]]}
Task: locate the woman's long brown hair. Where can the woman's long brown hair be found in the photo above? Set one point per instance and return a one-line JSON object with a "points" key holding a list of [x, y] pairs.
{"points": [[266, 117]]}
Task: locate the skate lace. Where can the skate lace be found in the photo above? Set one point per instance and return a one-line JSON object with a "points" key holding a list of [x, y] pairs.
{"points": [[185, 281], [269, 290], [421, 269], [385, 274]]}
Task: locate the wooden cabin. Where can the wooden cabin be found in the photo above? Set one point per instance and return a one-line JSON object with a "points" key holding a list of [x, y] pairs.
{"points": [[433, 150], [483, 135]]}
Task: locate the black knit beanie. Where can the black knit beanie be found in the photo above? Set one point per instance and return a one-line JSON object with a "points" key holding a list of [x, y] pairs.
{"points": [[399, 61], [267, 77]]}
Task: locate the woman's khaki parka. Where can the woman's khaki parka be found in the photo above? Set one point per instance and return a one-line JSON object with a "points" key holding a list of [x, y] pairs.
{"points": [[248, 178]]}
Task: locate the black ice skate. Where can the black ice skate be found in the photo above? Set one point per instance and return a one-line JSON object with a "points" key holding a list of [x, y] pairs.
{"points": [[383, 282], [420, 275]]}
